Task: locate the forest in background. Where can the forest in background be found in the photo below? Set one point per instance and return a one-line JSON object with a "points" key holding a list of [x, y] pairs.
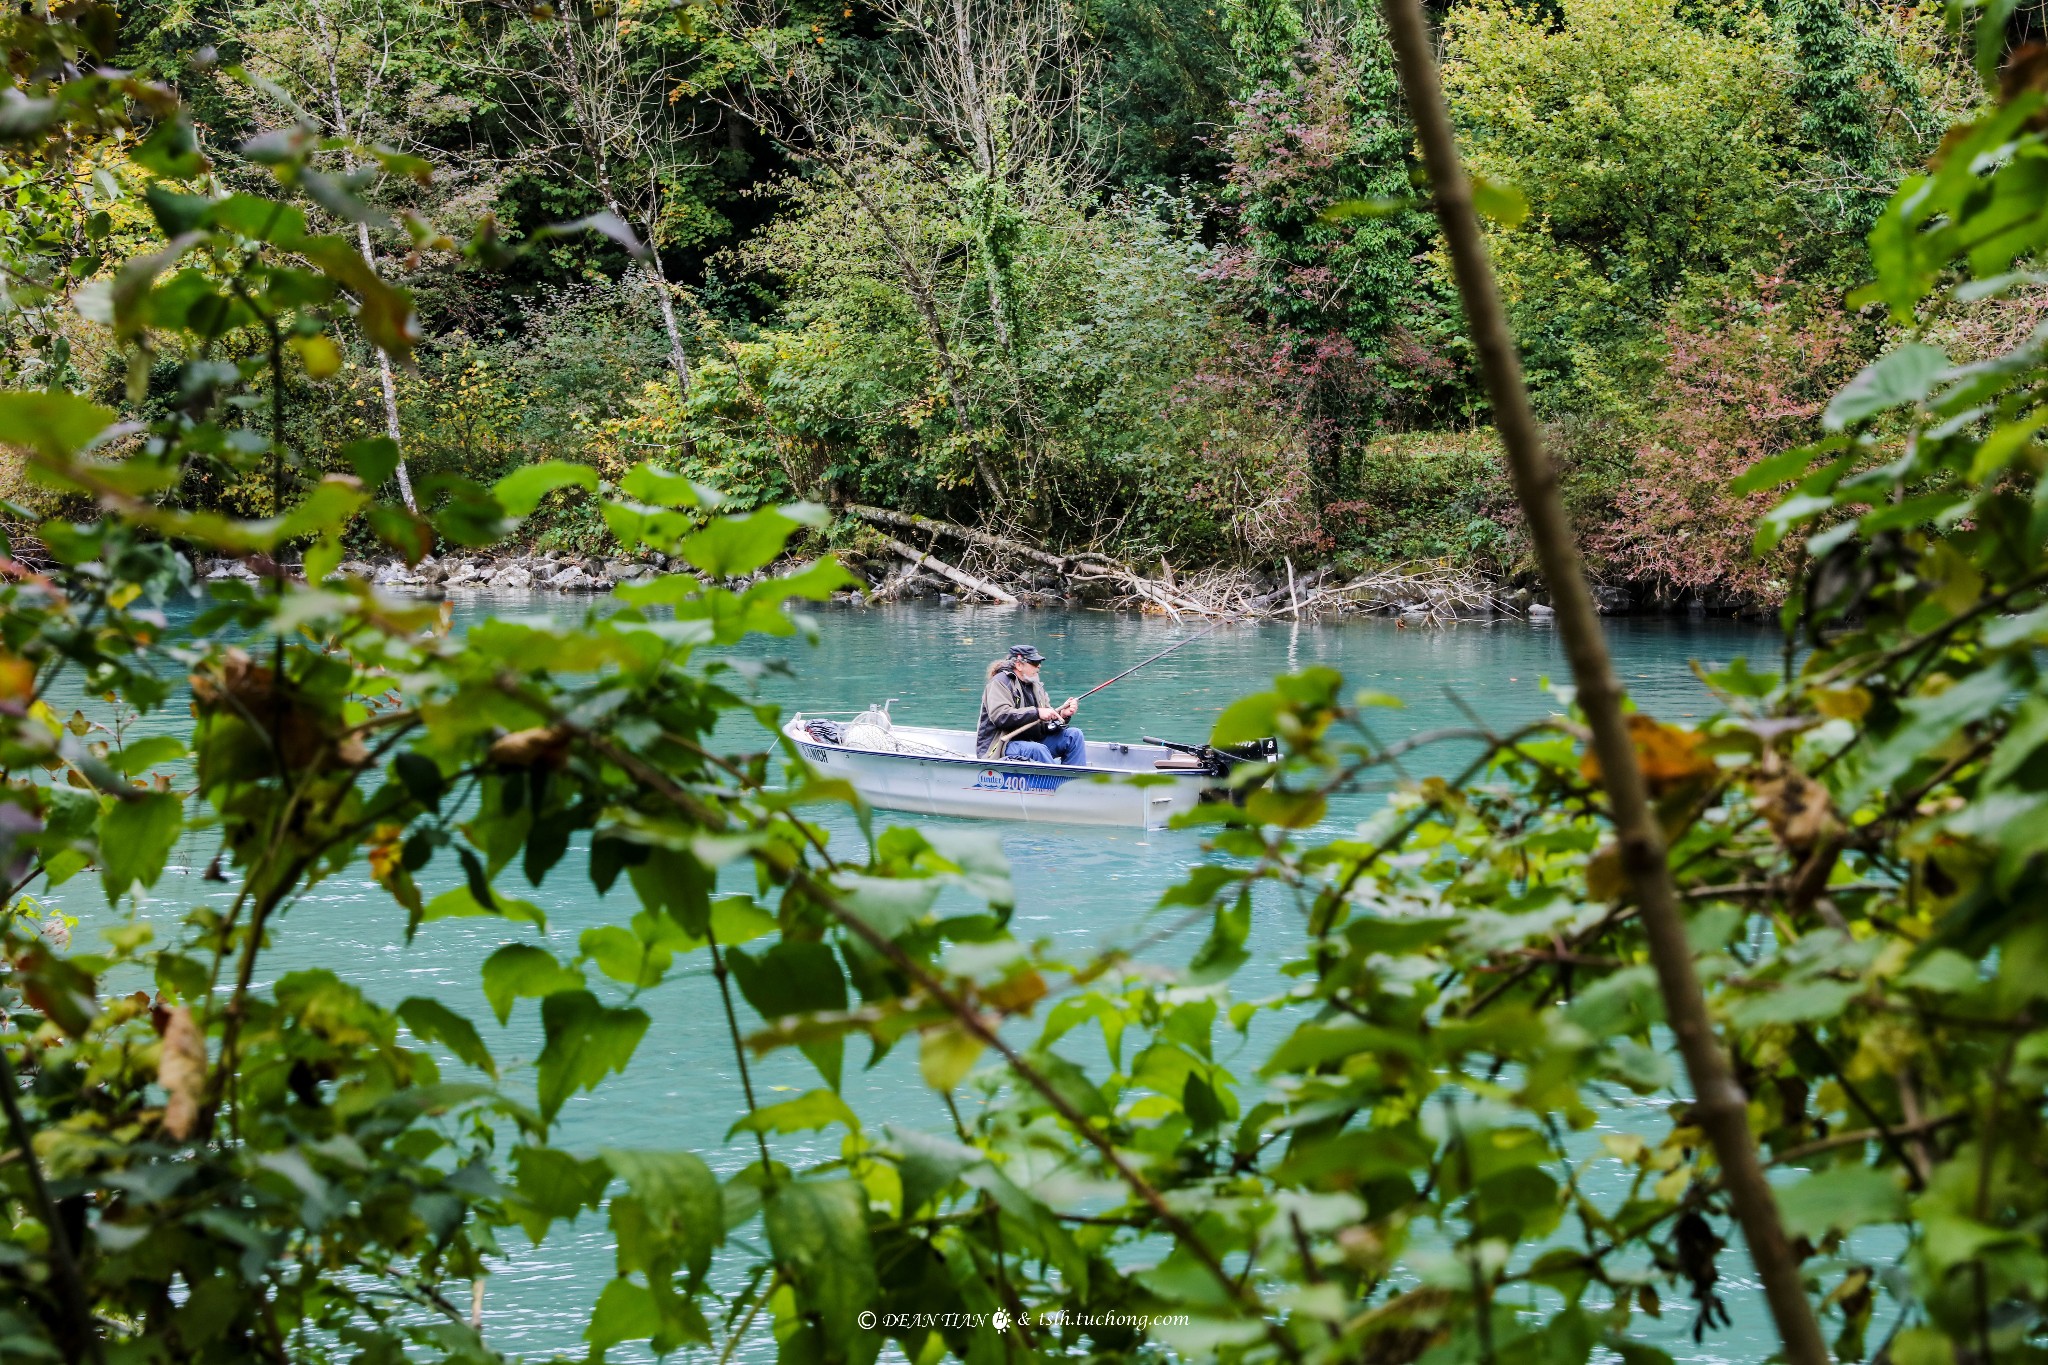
{"points": [[1140, 275]]}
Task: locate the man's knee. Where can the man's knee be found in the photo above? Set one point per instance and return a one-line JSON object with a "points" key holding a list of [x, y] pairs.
{"points": [[1073, 746], [1028, 750]]}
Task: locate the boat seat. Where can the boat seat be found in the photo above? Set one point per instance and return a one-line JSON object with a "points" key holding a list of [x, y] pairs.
{"points": [[1178, 765]]}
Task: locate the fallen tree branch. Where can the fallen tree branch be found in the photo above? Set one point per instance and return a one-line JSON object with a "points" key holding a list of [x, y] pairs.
{"points": [[910, 521], [924, 559]]}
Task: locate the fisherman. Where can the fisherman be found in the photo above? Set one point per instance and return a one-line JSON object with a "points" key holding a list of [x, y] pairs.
{"points": [[1018, 719]]}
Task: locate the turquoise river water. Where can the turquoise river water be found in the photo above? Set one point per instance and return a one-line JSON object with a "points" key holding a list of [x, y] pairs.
{"points": [[1082, 885]]}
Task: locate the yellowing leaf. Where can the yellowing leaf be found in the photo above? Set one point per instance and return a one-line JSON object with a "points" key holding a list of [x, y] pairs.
{"points": [[320, 356], [17, 678], [946, 1054], [1668, 755], [1847, 703]]}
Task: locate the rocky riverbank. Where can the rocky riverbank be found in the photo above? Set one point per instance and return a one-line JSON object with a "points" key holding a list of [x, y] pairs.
{"points": [[1417, 595], [553, 570]]}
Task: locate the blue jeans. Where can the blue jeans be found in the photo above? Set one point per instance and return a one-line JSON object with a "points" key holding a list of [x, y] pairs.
{"points": [[1062, 746]]}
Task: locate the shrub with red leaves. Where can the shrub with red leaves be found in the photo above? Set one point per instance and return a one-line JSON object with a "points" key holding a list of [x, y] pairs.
{"points": [[1744, 383]]}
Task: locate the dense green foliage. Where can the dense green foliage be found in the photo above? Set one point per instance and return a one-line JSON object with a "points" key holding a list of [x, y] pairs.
{"points": [[1142, 274], [1390, 1162]]}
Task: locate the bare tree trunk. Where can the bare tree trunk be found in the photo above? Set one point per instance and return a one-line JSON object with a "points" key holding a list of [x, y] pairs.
{"points": [[676, 356], [591, 127], [348, 162], [924, 559], [390, 387], [1719, 1105]]}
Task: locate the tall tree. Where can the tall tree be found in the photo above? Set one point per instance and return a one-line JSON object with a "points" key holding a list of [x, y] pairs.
{"points": [[1324, 258], [1836, 118], [337, 67], [590, 89], [985, 101]]}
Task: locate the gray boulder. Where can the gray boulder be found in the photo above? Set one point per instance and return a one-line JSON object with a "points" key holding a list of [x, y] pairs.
{"points": [[572, 579], [511, 578]]}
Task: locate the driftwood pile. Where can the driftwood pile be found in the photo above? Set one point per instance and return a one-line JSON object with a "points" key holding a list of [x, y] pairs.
{"points": [[983, 566]]}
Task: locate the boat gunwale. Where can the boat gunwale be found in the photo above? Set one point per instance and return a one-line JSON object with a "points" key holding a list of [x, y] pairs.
{"points": [[1024, 765]]}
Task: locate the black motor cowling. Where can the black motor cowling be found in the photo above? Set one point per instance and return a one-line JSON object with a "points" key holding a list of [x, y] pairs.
{"points": [[1218, 762]]}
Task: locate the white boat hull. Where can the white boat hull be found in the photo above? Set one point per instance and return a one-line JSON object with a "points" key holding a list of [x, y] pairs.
{"points": [[1119, 786]]}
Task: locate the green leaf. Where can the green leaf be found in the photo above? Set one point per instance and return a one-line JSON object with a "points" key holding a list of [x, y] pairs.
{"points": [[638, 956], [1248, 718], [54, 425], [731, 546], [435, 1022], [140, 755], [650, 483], [1798, 1002], [374, 459], [136, 837], [818, 1229], [1943, 971], [385, 314], [810, 1110], [261, 220], [520, 971], [172, 149], [888, 905], [175, 212], [552, 1184], [927, 1164], [625, 1311], [521, 491], [1844, 1198], [1224, 952], [795, 977], [322, 511], [674, 883], [737, 920], [684, 1211], [1906, 375], [1312, 1045], [1500, 201], [461, 903], [586, 1042]]}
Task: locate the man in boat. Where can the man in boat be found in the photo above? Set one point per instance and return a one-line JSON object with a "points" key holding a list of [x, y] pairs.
{"points": [[1018, 719]]}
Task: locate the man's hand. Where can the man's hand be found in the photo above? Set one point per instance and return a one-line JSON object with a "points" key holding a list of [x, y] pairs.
{"points": [[1047, 713], [1072, 705]]}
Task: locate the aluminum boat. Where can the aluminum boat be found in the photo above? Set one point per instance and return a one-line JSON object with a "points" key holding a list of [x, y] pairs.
{"points": [[1140, 785]]}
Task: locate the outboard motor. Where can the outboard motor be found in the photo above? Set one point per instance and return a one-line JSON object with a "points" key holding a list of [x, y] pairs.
{"points": [[1218, 762]]}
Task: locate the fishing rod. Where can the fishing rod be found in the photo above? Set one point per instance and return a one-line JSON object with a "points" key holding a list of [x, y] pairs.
{"points": [[1058, 724], [1153, 660]]}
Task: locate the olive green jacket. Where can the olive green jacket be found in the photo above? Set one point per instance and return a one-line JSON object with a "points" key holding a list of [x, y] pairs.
{"points": [[1007, 703]]}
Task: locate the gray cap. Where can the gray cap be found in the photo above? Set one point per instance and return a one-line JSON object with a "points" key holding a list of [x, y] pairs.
{"points": [[1028, 653]]}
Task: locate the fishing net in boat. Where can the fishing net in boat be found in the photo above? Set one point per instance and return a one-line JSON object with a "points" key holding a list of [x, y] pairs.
{"points": [[872, 729]]}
